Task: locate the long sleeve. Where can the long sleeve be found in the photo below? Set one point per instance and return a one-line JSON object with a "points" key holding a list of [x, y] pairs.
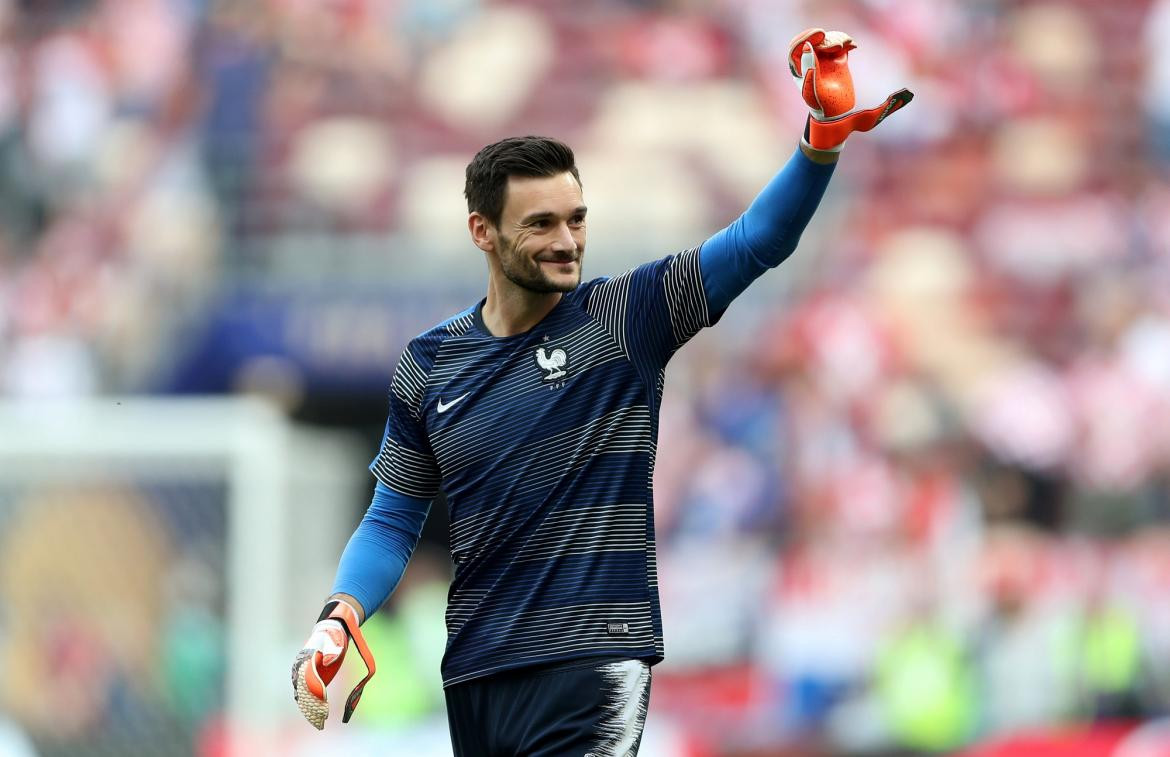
{"points": [[377, 553], [767, 232]]}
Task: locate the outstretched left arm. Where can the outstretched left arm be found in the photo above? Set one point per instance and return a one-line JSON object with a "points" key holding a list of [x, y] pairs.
{"points": [[767, 232]]}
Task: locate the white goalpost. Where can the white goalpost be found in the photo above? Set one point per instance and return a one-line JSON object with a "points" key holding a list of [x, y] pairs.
{"points": [[140, 539]]}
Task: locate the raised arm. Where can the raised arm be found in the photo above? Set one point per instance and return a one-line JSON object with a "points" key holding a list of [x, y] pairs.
{"points": [[768, 231]]}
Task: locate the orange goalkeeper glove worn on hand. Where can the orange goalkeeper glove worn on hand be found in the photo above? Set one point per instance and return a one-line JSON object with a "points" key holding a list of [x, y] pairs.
{"points": [[820, 62], [320, 659]]}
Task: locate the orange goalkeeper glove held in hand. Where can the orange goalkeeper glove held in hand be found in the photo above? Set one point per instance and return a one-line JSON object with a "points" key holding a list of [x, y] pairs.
{"points": [[820, 62], [320, 659]]}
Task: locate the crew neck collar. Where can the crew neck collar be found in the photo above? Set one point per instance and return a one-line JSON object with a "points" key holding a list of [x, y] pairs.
{"points": [[479, 325]]}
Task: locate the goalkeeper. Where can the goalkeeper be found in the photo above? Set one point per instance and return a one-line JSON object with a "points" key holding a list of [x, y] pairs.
{"points": [[535, 411]]}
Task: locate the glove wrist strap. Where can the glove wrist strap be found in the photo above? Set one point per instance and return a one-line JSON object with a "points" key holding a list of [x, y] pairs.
{"points": [[335, 606], [818, 139]]}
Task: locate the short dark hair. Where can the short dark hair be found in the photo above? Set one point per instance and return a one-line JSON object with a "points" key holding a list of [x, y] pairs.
{"points": [[531, 157]]}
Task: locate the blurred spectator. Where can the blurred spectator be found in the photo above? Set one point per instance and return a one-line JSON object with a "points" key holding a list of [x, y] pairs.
{"points": [[1027, 649], [1110, 653], [925, 686], [192, 641]]}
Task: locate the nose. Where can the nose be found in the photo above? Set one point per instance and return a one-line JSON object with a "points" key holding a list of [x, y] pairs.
{"points": [[563, 239]]}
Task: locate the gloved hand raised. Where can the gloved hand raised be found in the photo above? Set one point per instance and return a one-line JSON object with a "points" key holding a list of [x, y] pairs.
{"points": [[319, 660], [820, 62]]}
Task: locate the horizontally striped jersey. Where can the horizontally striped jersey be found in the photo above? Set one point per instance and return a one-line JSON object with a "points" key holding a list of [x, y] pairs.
{"points": [[543, 444]]}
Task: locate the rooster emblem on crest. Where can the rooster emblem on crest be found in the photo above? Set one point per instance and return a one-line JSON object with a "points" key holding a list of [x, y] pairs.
{"points": [[553, 363]]}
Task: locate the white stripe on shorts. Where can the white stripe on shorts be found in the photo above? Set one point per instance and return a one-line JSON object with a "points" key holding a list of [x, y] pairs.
{"points": [[627, 694]]}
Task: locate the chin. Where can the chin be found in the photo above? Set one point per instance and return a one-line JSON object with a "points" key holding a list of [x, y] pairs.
{"points": [[561, 282], [567, 283], [542, 282], [551, 287]]}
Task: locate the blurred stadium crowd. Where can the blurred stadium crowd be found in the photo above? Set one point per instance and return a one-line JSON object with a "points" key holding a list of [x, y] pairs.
{"points": [[918, 498]]}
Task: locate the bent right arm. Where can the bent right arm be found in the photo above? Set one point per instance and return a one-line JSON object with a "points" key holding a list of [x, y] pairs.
{"points": [[376, 556]]}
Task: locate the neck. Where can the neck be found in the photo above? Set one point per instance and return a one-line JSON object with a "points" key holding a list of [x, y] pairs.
{"points": [[510, 310]]}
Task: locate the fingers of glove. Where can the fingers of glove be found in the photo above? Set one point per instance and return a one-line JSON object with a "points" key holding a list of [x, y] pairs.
{"points": [[306, 674], [835, 44], [820, 61], [796, 50], [813, 44], [834, 82], [309, 689], [301, 658]]}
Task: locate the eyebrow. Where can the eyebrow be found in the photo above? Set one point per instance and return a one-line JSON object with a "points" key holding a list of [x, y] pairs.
{"points": [[580, 210]]}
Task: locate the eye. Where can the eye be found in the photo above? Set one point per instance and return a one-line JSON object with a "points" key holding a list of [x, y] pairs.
{"points": [[577, 220], [541, 223]]}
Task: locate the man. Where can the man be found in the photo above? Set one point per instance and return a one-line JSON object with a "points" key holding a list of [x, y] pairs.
{"points": [[536, 412]]}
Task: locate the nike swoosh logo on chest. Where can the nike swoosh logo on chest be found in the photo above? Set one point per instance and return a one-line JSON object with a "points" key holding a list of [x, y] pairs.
{"points": [[444, 407]]}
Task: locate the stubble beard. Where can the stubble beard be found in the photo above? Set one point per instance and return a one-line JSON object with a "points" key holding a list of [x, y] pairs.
{"points": [[527, 273]]}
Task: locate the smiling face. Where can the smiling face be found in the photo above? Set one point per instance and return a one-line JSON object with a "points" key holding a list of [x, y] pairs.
{"points": [[540, 240]]}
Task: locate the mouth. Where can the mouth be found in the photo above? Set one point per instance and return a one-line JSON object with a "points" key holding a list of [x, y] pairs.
{"points": [[560, 262]]}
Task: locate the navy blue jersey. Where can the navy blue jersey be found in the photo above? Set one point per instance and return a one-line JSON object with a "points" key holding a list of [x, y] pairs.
{"points": [[543, 444]]}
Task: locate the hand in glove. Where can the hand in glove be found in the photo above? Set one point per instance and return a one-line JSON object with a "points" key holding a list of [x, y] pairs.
{"points": [[320, 659], [820, 62]]}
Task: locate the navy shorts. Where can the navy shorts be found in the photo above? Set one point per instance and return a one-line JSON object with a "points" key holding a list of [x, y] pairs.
{"points": [[585, 707]]}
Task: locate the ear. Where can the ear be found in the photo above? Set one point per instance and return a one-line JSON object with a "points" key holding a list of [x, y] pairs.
{"points": [[481, 232]]}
